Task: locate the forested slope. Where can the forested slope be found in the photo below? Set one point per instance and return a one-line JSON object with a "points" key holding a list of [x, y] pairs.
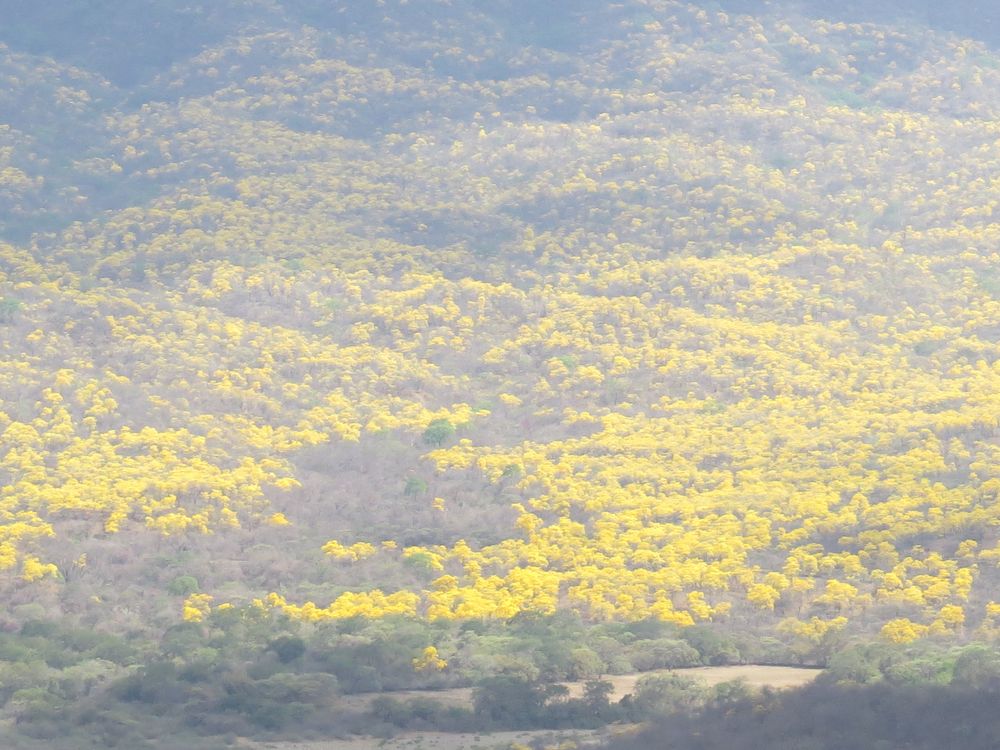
{"points": [[635, 311]]}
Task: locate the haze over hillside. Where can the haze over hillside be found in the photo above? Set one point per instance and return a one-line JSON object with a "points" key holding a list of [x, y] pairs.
{"points": [[435, 316]]}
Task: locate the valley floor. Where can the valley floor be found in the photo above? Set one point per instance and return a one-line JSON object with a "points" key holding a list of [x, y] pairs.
{"points": [[755, 675]]}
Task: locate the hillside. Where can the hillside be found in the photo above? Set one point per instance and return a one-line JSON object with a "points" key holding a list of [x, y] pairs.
{"points": [[630, 311]]}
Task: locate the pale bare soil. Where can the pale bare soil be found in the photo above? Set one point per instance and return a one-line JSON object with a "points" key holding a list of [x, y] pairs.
{"points": [[440, 741], [754, 675]]}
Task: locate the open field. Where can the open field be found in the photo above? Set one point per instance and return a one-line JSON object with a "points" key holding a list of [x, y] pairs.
{"points": [[755, 675], [441, 741]]}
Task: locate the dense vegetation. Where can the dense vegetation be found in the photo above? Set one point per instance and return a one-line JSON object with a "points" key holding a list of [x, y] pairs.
{"points": [[829, 717], [363, 323]]}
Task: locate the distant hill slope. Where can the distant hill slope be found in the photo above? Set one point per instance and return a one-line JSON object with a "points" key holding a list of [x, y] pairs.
{"points": [[131, 43], [424, 311]]}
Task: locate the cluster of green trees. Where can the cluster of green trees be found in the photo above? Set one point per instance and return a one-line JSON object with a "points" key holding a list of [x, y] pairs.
{"points": [[829, 716], [250, 673], [920, 697], [244, 672]]}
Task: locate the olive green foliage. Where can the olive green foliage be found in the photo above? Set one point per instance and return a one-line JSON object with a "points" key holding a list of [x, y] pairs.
{"points": [[438, 431], [829, 717]]}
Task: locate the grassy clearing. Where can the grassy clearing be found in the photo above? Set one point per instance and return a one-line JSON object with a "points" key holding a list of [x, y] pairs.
{"points": [[442, 741], [755, 675]]}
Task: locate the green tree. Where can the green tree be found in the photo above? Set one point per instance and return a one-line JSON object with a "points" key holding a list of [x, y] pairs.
{"points": [[438, 431]]}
